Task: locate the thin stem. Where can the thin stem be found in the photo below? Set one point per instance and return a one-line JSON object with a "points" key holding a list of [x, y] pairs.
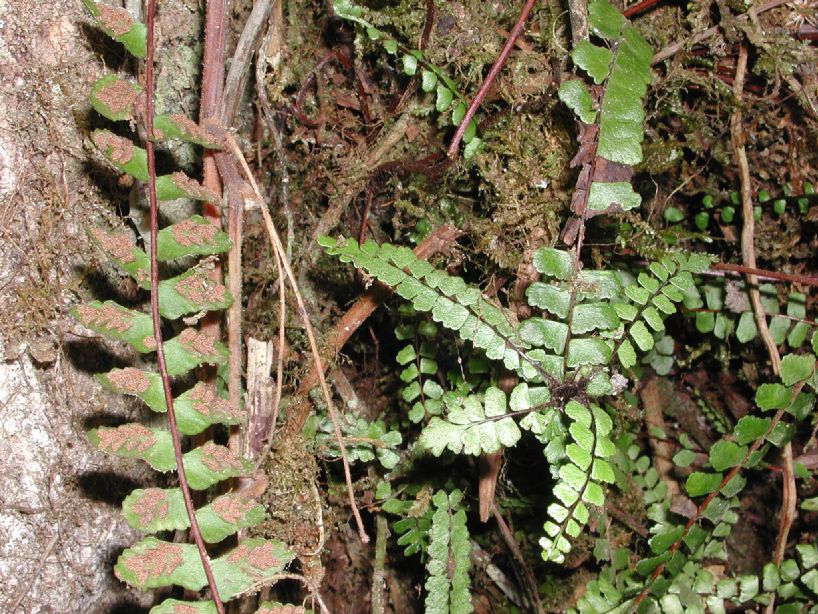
{"points": [[157, 322], [487, 82], [277, 246]]}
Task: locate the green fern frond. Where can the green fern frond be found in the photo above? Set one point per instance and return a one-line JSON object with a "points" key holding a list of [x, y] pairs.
{"points": [[613, 118], [447, 587], [453, 303], [152, 563], [581, 478]]}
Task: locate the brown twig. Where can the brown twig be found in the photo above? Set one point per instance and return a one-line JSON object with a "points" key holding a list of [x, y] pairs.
{"points": [[209, 105], [748, 228], [157, 322], [578, 16], [278, 247], [764, 273], [749, 257], [525, 571], [639, 7], [236, 80], [489, 80]]}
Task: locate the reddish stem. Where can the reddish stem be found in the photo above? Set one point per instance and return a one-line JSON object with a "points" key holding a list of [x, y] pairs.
{"points": [[157, 322], [738, 268], [490, 78], [639, 7]]}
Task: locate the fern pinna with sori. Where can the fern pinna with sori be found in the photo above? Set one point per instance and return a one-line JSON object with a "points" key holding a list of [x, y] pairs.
{"points": [[154, 562]]}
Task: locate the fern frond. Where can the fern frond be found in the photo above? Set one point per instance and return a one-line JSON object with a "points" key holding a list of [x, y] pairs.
{"points": [[447, 587], [154, 509], [453, 303], [153, 563], [611, 112], [580, 478]]}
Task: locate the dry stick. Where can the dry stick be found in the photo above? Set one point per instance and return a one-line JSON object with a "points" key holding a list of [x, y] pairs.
{"points": [[235, 226], [157, 331], [209, 103], [748, 229], [279, 247], [511, 543], [749, 257], [578, 15], [379, 575], [493, 72], [276, 24], [236, 80], [746, 270]]}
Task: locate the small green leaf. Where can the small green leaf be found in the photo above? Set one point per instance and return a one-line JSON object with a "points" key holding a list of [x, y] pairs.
{"points": [[444, 98], [428, 80], [544, 333], [796, 368], [746, 329], [592, 59], [773, 396], [663, 541], [590, 351], [574, 95], [410, 67], [606, 194], [750, 428], [554, 263], [726, 454], [683, 458], [699, 483]]}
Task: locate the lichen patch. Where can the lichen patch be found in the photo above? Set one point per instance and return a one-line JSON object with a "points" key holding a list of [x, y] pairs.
{"points": [[117, 244], [218, 458], [104, 316], [281, 609], [130, 437], [152, 505], [200, 289], [197, 342], [129, 380], [119, 96], [260, 557], [189, 232], [207, 402], [181, 608], [118, 149], [114, 19], [233, 507], [159, 560], [191, 187]]}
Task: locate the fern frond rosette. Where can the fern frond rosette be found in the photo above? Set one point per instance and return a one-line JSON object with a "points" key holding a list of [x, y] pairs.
{"points": [[589, 320]]}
